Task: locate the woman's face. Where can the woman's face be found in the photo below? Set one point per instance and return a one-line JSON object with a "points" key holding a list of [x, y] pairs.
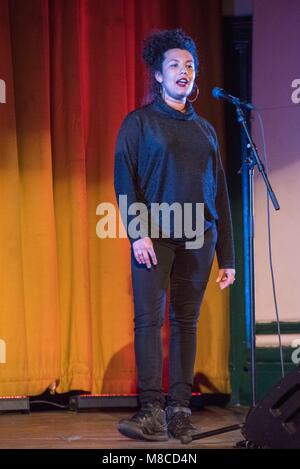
{"points": [[178, 74]]}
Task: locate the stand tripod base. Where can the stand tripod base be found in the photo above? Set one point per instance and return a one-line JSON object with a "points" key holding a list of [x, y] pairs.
{"points": [[198, 436]]}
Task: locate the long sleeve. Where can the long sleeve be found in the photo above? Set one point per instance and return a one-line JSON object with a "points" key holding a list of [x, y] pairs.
{"points": [[126, 165], [225, 245]]}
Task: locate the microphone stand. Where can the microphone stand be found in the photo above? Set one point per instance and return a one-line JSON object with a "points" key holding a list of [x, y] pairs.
{"points": [[250, 161], [249, 164]]}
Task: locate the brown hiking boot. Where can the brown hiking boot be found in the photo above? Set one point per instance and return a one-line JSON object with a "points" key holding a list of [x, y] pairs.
{"points": [[149, 423], [179, 423]]}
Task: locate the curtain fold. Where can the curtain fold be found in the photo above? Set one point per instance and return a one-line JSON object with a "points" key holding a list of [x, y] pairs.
{"points": [[73, 70]]}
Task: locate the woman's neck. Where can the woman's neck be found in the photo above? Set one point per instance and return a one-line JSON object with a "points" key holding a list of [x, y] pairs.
{"points": [[174, 103]]}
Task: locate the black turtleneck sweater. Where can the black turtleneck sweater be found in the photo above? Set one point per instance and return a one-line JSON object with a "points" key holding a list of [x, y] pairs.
{"points": [[164, 155]]}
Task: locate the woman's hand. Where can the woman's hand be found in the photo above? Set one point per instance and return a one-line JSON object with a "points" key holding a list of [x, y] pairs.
{"points": [[143, 251], [225, 278]]}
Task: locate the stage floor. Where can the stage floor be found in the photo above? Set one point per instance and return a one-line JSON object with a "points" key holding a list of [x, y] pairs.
{"points": [[97, 429]]}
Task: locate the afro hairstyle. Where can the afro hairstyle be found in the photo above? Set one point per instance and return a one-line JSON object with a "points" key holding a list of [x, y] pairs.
{"points": [[154, 47]]}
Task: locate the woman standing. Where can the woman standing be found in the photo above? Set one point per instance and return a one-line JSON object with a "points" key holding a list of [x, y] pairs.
{"points": [[167, 153]]}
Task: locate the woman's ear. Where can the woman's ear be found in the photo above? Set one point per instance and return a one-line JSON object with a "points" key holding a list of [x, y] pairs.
{"points": [[158, 76]]}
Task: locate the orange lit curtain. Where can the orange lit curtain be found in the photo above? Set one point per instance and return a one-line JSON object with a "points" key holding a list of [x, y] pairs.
{"points": [[72, 70]]}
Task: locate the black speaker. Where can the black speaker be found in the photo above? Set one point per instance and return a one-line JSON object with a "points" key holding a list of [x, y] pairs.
{"points": [[275, 421]]}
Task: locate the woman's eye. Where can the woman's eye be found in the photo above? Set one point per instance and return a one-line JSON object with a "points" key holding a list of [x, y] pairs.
{"points": [[174, 65]]}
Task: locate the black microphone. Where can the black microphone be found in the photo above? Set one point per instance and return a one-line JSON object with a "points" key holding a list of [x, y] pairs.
{"points": [[219, 93]]}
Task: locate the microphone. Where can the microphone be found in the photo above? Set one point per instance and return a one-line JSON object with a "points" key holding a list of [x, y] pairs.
{"points": [[219, 93]]}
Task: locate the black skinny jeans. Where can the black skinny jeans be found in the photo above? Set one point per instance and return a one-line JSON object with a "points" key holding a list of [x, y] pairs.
{"points": [[188, 271]]}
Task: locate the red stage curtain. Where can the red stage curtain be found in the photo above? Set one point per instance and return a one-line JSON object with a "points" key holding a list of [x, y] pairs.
{"points": [[72, 70]]}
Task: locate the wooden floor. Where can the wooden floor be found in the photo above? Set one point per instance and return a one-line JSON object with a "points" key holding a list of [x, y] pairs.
{"points": [[68, 430]]}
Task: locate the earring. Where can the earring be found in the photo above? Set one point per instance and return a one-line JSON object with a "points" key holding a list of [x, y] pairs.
{"points": [[162, 91], [197, 94]]}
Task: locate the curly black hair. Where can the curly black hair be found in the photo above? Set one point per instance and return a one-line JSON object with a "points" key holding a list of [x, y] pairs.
{"points": [[154, 47]]}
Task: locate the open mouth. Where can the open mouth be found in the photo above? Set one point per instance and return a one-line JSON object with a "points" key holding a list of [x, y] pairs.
{"points": [[182, 82]]}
